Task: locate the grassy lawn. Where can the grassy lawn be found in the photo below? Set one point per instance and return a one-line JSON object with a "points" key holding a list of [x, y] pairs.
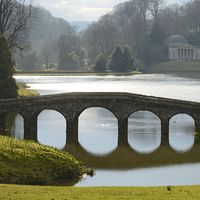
{"points": [[172, 66], [27, 162], [13, 192]]}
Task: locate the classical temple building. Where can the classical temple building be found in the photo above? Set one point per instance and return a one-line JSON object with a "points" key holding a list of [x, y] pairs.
{"points": [[181, 50]]}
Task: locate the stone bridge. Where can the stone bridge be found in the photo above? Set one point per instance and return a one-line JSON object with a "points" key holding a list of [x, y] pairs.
{"points": [[122, 105]]}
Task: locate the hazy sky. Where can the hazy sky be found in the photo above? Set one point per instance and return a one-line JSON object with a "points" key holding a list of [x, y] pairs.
{"points": [[82, 10]]}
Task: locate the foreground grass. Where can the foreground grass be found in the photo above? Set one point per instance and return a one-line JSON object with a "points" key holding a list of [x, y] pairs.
{"points": [[106, 193], [24, 91], [27, 162]]}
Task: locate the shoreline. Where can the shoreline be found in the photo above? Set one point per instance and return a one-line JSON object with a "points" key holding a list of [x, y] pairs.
{"points": [[73, 73]]}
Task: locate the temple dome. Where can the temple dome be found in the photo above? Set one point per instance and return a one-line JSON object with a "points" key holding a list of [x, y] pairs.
{"points": [[174, 39]]}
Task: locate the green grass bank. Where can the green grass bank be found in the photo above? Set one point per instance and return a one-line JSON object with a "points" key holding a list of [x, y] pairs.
{"points": [[24, 91], [27, 162], [175, 67], [96, 193]]}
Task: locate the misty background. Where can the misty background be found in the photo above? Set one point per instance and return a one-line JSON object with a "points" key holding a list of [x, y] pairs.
{"points": [[143, 27]]}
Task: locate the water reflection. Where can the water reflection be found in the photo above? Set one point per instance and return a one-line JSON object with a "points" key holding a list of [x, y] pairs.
{"points": [[187, 174], [127, 158], [144, 131], [98, 131], [124, 166], [181, 132]]}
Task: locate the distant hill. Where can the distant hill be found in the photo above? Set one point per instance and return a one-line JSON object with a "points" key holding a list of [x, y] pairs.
{"points": [[47, 28], [44, 34], [80, 25], [45, 31]]}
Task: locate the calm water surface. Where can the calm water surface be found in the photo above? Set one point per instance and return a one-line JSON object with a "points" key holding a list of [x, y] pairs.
{"points": [[142, 163]]}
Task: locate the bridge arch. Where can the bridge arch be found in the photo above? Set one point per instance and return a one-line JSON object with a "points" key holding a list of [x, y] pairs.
{"points": [[12, 123], [182, 113], [144, 131], [98, 130], [156, 113], [51, 127], [182, 131], [80, 112], [60, 111]]}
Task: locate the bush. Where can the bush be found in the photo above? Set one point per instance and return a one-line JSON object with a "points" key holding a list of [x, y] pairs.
{"points": [[69, 62], [101, 63], [121, 60]]}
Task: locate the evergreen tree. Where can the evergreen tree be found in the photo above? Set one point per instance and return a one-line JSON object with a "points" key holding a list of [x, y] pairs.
{"points": [[128, 59], [121, 60], [101, 62], [116, 60], [154, 49], [8, 87], [157, 35]]}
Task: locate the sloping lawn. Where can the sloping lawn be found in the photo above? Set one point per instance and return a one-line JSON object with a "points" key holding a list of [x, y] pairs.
{"points": [[27, 162]]}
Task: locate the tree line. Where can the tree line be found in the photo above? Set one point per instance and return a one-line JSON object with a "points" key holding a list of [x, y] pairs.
{"points": [[135, 31], [143, 26]]}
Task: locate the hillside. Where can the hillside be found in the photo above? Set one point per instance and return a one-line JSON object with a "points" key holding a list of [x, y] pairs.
{"points": [[27, 162], [44, 33]]}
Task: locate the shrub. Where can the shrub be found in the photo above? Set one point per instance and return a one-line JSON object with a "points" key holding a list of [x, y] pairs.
{"points": [[101, 63], [121, 60]]}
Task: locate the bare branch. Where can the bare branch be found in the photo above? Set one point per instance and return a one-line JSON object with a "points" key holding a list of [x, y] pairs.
{"points": [[14, 19]]}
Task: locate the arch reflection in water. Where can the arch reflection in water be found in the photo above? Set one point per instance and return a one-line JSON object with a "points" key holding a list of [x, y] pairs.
{"points": [[136, 169], [52, 128], [144, 131], [98, 130], [130, 159], [181, 132]]}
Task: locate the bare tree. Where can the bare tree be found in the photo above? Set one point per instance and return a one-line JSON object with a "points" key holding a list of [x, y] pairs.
{"points": [[123, 12], [173, 20], [192, 12], [14, 18], [154, 7], [143, 6], [101, 37]]}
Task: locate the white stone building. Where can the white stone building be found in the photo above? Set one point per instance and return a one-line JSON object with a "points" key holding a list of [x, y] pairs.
{"points": [[180, 50]]}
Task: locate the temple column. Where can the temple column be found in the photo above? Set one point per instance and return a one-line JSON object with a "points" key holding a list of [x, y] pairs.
{"points": [[192, 54], [72, 131], [179, 54], [30, 127], [122, 131], [189, 54], [164, 132]]}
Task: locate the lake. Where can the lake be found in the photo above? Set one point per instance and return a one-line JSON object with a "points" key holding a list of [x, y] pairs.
{"points": [[143, 162]]}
